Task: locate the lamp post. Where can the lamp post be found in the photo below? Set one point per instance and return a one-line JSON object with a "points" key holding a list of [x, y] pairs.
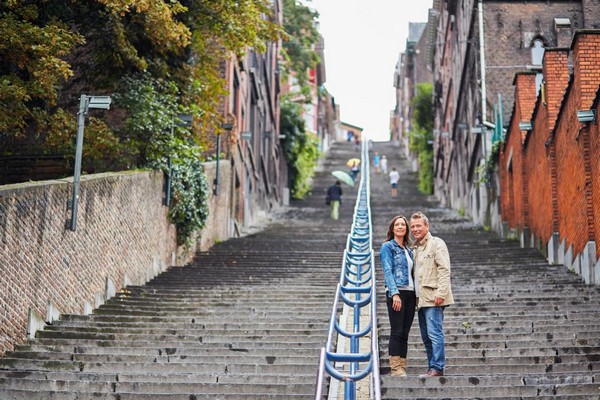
{"points": [[85, 103], [227, 127]]}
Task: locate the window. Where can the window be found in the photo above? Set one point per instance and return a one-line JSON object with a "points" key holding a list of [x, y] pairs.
{"points": [[537, 55]]}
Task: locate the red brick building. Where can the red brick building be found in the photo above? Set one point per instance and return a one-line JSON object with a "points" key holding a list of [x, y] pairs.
{"points": [[549, 165], [478, 48]]}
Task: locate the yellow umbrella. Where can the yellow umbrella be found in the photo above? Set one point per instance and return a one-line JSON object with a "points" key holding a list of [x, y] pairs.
{"points": [[351, 161]]}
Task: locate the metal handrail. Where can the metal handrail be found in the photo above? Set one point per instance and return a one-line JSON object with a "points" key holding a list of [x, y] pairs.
{"points": [[356, 289]]}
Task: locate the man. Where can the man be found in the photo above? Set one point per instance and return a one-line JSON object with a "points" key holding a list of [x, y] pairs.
{"points": [[434, 292], [394, 178]]}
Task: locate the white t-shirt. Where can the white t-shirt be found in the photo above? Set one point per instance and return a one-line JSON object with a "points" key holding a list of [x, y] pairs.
{"points": [[394, 176]]}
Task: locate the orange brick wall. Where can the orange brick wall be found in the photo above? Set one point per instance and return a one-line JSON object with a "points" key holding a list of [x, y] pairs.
{"points": [[572, 221], [595, 170], [536, 161], [538, 148], [514, 209], [560, 194]]}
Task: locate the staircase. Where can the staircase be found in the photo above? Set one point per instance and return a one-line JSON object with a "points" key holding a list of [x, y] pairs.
{"points": [[247, 318], [520, 328]]}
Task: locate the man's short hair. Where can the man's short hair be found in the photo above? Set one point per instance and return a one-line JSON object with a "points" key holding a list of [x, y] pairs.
{"points": [[420, 215]]}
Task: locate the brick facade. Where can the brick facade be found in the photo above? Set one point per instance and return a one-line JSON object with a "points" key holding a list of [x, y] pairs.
{"points": [[560, 182], [515, 34], [510, 29], [512, 172], [122, 235]]}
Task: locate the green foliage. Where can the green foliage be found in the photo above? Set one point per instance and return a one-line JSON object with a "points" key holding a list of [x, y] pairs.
{"points": [[32, 66], [299, 22], [421, 139], [301, 149], [189, 190], [485, 170], [171, 54], [152, 122]]}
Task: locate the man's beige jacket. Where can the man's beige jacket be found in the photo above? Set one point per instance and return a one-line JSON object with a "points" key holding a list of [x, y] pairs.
{"points": [[432, 277]]}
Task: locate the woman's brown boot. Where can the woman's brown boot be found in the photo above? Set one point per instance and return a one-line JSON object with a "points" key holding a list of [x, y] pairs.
{"points": [[398, 365]]}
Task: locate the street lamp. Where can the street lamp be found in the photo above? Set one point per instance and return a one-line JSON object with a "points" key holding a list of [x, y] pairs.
{"points": [[85, 103], [227, 127]]}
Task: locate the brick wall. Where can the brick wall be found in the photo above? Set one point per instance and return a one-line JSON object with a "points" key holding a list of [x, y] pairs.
{"points": [[512, 172], [510, 27], [538, 149], [561, 156], [536, 162], [572, 220], [594, 135], [122, 234]]}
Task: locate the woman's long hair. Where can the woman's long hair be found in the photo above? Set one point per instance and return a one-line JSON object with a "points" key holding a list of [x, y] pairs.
{"points": [[390, 232]]}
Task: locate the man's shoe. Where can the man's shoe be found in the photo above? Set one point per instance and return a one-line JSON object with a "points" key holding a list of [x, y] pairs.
{"points": [[434, 372], [431, 372]]}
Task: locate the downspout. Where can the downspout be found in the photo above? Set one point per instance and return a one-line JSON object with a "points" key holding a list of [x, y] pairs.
{"points": [[484, 121]]}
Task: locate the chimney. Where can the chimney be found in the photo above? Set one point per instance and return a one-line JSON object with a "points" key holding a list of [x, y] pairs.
{"points": [[586, 58], [564, 32], [556, 78], [525, 97]]}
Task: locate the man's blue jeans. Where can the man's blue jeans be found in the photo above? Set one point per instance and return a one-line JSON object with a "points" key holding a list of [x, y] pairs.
{"points": [[432, 333]]}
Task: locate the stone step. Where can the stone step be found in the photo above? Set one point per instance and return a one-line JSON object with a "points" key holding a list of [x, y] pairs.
{"points": [[187, 331], [291, 345], [447, 390], [152, 350], [217, 366], [191, 338]]}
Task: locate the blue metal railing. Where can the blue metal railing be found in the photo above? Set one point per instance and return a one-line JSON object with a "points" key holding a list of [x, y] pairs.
{"points": [[356, 289]]}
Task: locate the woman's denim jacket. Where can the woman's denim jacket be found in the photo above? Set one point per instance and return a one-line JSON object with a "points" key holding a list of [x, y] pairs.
{"points": [[395, 266]]}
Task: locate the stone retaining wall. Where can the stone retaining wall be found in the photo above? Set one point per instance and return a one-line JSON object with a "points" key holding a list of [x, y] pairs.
{"points": [[122, 237]]}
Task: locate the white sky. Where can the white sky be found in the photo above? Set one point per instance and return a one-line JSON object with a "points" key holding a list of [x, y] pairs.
{"points": [[363, 40]]}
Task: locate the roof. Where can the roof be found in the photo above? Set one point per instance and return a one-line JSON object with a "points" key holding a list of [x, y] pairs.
{"points": [[415, 30]]}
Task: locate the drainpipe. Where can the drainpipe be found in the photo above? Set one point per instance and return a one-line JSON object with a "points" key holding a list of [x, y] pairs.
{"points": [[483, 88]]}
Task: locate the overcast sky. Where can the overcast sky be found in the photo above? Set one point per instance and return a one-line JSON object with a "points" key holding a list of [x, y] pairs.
{"points": [[363, 39]]}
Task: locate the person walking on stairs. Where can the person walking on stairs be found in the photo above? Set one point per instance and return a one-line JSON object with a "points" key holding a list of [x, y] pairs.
{"points": [[434, 291], [334, 199], [384, 164], [397, 262], [394, 178]]}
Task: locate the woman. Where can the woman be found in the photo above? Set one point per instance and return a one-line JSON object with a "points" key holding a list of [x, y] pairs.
{"points": [[397, 262], [334, 197]]}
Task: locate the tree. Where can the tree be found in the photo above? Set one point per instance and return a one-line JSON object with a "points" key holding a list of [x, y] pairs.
{"points": [[301, 149], [155, 58], [32, 67], [421, 139], [299, 22]]}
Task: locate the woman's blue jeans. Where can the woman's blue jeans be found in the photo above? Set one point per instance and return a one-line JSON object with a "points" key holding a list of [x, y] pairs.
{"points": [[432, 334]]}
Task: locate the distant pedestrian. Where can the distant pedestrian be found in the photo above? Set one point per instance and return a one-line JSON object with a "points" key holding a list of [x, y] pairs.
{"points": [[397, 261], [354, 170], [384, 164], [434, 292], [394, 178], [334, 199], [376, 162]]}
